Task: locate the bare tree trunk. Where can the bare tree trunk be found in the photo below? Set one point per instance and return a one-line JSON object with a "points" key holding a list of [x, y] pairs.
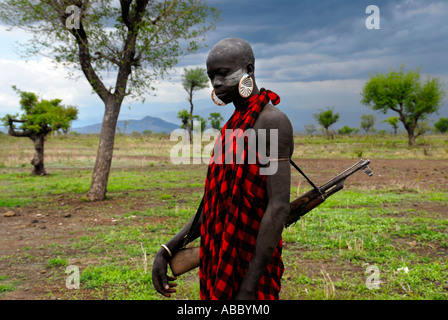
{"points": [[112, 102], [327, 131], [191, 115], [411, 136], [410, 128], [38, 160], [103, 162]]}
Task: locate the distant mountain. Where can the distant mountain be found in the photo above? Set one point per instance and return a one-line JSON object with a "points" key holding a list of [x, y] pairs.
{"points": [[156, 125]]}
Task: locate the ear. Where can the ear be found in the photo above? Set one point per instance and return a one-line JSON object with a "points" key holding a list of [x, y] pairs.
{"points": [[250, 69]]}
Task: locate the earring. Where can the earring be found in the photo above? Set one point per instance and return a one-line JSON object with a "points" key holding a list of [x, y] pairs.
{"points": [[246, 86], [216, 100]]}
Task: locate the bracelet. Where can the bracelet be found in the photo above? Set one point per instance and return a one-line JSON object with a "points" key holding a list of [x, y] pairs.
{"points": [[168, 250]]}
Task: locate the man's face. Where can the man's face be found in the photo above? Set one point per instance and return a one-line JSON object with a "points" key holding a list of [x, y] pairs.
{"points": [[224, 72]]}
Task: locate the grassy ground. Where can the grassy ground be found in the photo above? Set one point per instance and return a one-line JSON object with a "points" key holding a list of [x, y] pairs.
{"points": [[394, 224]]}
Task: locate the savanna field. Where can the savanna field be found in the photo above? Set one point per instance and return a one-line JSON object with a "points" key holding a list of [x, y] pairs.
{"points": [[383, 237]]}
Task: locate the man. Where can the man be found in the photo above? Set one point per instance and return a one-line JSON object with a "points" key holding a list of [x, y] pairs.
{"points": [[244, 212]]}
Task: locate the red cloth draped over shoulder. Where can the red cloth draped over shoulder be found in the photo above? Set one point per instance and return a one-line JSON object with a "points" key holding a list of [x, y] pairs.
{"points": [[234, 203]]}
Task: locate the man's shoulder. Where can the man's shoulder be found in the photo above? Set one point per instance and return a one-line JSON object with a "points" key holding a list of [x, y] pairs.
{"points": [[272, 118]]}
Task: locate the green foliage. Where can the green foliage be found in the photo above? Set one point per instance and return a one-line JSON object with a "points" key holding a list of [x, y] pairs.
{"points": [[184, 116], [441, 125], [326, 118], [194, 79], [406, 94], [215, 120], [403, 92], [42, 116], [5, 287], [202, 121], [346, 130], [57, 262], [162, 31], [367, 122], [393, 121]]}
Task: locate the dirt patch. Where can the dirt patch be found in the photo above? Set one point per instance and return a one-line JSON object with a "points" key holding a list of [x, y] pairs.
{"points": [[393, 174]]}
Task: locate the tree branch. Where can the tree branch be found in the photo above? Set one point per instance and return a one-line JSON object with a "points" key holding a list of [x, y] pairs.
{"points": [[13, 132], [128, 52], [395, 109], [86, 62], [165, 13], [125, 6], [137, 14], [81, 38], [99, 55]]}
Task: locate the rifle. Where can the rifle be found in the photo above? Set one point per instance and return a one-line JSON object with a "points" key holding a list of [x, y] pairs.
{"points": [[187, 259]]}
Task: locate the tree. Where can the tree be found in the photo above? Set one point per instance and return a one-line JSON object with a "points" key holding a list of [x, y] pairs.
{"points": [[39, 119], [138, 41], [405, 94], [310, 128], [346, 130], [201, 121], [215, 120], [441, 125], [193, 80], [184, 116], [326, 119], [367, 122], [393, 121]]}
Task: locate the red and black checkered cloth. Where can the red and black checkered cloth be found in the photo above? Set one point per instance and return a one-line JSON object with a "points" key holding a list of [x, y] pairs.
{"points": [[234, 203]]}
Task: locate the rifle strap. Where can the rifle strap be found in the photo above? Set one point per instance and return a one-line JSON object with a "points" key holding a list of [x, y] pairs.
{"points": [[302, 173]]}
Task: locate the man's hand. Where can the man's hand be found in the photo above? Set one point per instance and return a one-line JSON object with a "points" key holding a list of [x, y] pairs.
{"points": [[160, 278], [244, 295]]}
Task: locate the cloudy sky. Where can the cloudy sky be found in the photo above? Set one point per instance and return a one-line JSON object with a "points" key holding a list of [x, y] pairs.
{"points": [[314, 54]]}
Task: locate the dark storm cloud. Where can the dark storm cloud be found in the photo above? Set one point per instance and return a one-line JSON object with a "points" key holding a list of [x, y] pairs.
{"points": [[320, 53], [315, 40]]}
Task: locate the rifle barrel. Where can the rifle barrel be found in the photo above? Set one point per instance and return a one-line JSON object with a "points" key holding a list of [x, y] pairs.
{"points": [[361, 164]]}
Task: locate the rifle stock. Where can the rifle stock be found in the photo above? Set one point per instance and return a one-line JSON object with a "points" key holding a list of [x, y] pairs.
{"points": [[184, 260], [187, 259]]}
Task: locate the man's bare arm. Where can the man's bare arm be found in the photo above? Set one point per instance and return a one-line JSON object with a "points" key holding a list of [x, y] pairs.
{"points": [[162, 282]]}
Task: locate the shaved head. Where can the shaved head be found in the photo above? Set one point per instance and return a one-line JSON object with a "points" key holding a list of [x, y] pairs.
{"points": [[235, 49], [227, 63]]}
